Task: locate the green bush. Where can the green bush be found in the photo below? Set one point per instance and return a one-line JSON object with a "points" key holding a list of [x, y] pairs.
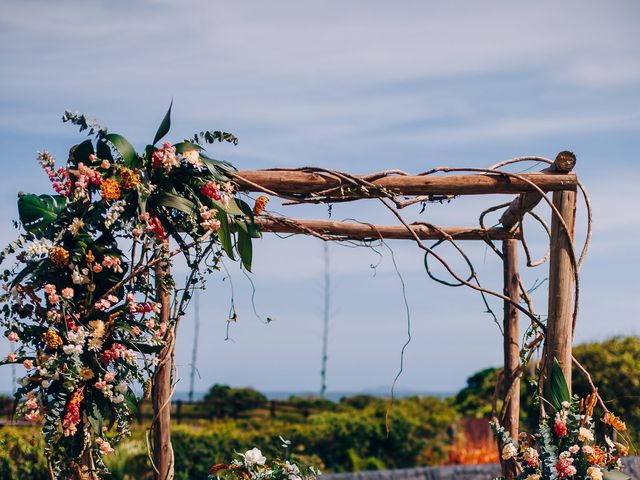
{"points": [[22, 454]]}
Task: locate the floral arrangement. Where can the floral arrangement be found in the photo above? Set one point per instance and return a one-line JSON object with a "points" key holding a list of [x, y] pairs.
{"points": [[80, 306], [253, 465], [565, 446]]}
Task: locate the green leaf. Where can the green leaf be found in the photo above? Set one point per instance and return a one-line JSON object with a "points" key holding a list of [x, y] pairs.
{"points": [[224, 234], [170, 200], [559, 388], [103, 151], [164, 127], [614, 475], [38, 211], [131, 401], [245, 249], [143, 347], [123, 147], [81, 152], [186, 146]]}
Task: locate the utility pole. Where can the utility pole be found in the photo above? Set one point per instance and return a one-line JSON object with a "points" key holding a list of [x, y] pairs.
{"points": [[196, 334], [325, 330]]}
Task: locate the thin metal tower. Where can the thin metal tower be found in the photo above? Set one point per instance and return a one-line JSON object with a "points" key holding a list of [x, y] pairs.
{"points": [[196, 334], [325, 332]]}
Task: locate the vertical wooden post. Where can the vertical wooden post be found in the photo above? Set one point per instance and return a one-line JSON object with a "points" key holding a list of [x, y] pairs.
{"points": [[161, 393], [561, 283], [511, 408]]}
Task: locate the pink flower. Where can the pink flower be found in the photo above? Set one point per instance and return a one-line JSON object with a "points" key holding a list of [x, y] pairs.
{"points": [[574, 449], [136, 330], [109, 376], [105, 447], [113, 299], [100, 385], [105, 164], [49, 289], [67, 293], [53, 298], [11, 357], [28, 364], [13, 337], [33, 416]]}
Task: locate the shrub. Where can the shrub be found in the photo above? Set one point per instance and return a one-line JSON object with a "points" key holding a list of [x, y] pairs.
{"points": [[22, 454]]}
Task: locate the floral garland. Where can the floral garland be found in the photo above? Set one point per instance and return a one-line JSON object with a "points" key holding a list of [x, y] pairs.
{"points": [[566, 449], [254, 466], [79, 300]]}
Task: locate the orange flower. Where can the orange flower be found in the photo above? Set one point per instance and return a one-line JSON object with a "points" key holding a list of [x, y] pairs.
{"points": [[110, 189], [261, 203], [597, 457], [129, 179], [52, 339], [90, 258], [59, 256], [610, 419]]}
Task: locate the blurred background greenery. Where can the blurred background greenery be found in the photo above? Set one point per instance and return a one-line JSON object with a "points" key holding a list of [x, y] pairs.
{"points": [[349, 435]]}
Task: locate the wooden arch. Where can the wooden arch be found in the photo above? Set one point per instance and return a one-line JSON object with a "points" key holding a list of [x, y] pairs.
{"points": [[529, 190]]}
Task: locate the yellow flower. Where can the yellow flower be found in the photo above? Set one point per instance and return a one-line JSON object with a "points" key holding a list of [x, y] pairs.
{"points": [[129, 179], [261, 203], [90, 258], [52, 339], [86, 374], [610, 419], [110, 189], [59, 256]]}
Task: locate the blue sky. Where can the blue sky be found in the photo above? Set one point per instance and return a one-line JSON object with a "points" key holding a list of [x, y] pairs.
{"points": [[359, 86]]}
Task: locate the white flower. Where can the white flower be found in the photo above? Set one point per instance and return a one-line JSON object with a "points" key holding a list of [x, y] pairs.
{"points": [[253, 457], [40, 247], [76, 225], [118, 398], [565, 405], [72, 349], [121, 387], [509, 451], [45, 384], [585, 435], [193, 157], [80, 278]]}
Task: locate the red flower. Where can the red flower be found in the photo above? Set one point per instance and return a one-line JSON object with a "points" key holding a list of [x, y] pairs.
{"points": [[560, 428]]}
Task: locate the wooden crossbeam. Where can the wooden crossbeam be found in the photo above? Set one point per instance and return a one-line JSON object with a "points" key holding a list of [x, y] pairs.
{"points": [[297, 182], [364, 231]]}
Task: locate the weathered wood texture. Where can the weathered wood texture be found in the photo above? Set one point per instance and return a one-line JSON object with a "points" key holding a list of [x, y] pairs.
{"points": [[161, 393], [297, 182], [525, 202], [511, 346], [362, 231], [559, 334]]}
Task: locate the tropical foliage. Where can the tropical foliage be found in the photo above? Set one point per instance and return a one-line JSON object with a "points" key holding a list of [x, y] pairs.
{"points": [[80, 305]]}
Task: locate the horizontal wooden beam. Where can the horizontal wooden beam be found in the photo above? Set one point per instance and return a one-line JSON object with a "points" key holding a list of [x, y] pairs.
{"points": [[525, 202], [364, 231], [291, 182]]}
